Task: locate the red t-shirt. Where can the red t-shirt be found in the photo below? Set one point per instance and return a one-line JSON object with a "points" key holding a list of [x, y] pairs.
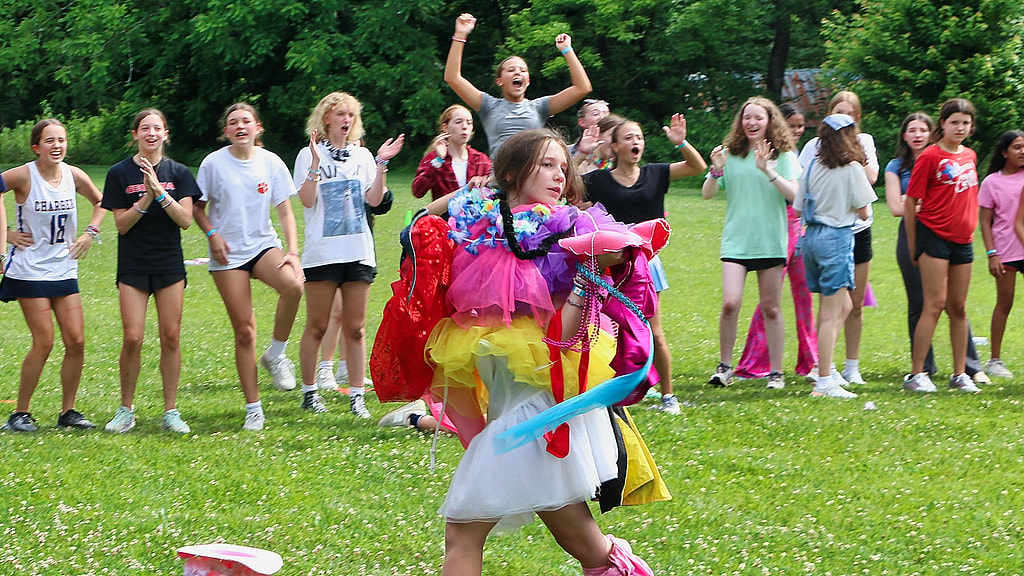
{"points": [[947, 185]]}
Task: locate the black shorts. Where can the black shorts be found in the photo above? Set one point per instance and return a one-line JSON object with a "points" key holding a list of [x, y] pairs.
{"points": [[248, 266], [927, 242], [151, 282], [862, 247], [12, 289], [341, 273], [1017, 265], [755, 264]]}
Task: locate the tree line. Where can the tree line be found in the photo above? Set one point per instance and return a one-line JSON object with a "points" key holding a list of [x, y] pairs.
{"points": [[97, 62]]}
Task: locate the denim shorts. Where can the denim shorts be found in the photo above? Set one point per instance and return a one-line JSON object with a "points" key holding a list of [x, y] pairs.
{"points": [[828, 258], [658, 274]]}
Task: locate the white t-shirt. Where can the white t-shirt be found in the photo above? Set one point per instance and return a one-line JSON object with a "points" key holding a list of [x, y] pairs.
{"points": [[867, 143], [50, 214], [460, 169], [838, 193], [337, 230], [239, 195]]}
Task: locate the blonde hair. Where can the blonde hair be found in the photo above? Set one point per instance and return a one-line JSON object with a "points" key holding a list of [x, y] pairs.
{"points": [[777, 133], [846, 96], [325, 106]]}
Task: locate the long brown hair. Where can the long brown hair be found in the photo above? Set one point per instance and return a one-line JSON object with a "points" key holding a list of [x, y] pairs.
{"points": [[839, 147], [903, 151], [777, 133]]}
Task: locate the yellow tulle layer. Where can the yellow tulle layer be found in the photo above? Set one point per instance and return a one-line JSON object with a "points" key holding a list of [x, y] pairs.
{"points": [[454, 350]]}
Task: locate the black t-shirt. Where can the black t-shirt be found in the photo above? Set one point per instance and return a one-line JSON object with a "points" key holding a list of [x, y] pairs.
{"points": [[644, 200], [153, 244]]}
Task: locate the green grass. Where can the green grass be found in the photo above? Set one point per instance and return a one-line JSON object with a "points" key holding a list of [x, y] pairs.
{"points": [[764, 482]]}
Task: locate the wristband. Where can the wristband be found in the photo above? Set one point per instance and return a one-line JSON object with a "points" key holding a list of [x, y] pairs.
{"points": [[211, 232], [566, 50], [160, 198], [991, 253], [169, 202], [313, 178], [570, 302], [92, 231], [773, 178], [139, 210], [457, 39], [682, 144], [380, 161], [437, 162]]}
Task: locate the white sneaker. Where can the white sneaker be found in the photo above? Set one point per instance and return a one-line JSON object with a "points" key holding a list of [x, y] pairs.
{"points": [[996, 368], [254, 420], [722, 376], [325, 379], [963, 383], [357, 405], [852, 376], [282, 371], [400, 416], [776, 381], [831, 389], [919, 382], [982, 379]]}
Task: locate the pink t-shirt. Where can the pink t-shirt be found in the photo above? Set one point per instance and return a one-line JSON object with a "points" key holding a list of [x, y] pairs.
{"points": [[1001, 194]]}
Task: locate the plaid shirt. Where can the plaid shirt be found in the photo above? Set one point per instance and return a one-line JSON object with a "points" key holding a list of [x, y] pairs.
{"points": [[440, 181]]}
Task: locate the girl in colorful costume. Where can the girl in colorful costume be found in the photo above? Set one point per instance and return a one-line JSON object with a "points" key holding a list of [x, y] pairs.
{"points": [[499, 352]]}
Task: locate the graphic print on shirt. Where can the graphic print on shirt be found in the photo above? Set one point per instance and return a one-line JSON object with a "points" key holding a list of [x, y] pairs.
{"points": [[344, 207], [961, 176]]}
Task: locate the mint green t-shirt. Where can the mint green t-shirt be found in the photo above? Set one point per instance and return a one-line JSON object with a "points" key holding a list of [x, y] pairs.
{"points": [[755, 214]]}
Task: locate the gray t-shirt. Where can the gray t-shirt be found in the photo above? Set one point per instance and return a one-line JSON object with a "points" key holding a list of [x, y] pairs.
{"points": [[837, 192], [502, 119]]}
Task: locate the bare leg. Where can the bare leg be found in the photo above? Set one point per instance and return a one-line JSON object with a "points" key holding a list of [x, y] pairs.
{"points": [[319, 298], [169, 303], [40, 325], [578, 534], [464, 548], [832, 310], [287, 283], [662, 354], [355, 296], [855, 321], [68, 310], [133, 323], [956, 301], [769, 286], [236, 292], [1005, 287], [933, 281], [332, 337], [733, 277]]}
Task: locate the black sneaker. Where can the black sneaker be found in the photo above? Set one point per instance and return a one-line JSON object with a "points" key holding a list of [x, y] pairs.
{"points": [[313, 402], [21, 422], [74, 419]]}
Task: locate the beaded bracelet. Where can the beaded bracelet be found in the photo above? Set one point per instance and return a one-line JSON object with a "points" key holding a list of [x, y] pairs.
{"points": [[715, 173], [139, 210], [381, 161], [92, 230]]}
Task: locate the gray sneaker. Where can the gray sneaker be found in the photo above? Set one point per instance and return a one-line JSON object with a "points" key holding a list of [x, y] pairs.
{"points": [[995, 367], [358, 406], [254, 420], [776, 381], [919, 382], [722, 376], [282, 371], [963, 383], [669, 404], [313, 402]]}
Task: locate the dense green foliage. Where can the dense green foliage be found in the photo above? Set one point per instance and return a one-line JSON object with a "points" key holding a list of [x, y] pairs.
{"points": [[106, 59], [908, 55]]}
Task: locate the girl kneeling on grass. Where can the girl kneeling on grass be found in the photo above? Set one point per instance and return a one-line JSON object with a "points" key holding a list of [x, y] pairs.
{"points": [[241, 182], [151, 197], [42, 268], [508, 290], [834, 192], [941, 213]]}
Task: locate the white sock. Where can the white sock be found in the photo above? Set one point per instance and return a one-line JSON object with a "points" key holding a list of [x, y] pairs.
{"points": [[851, 364], [276, 348], [352, 391], [329, 364], [256, 406], [308, 388], [342, 367], [824, 382]]}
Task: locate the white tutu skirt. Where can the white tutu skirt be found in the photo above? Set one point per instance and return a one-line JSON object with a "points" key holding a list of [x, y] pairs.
{"points": [[509, 488]]}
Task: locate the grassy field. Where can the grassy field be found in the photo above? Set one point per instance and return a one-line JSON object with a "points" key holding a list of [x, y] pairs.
{"points": [[764, 481]]}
